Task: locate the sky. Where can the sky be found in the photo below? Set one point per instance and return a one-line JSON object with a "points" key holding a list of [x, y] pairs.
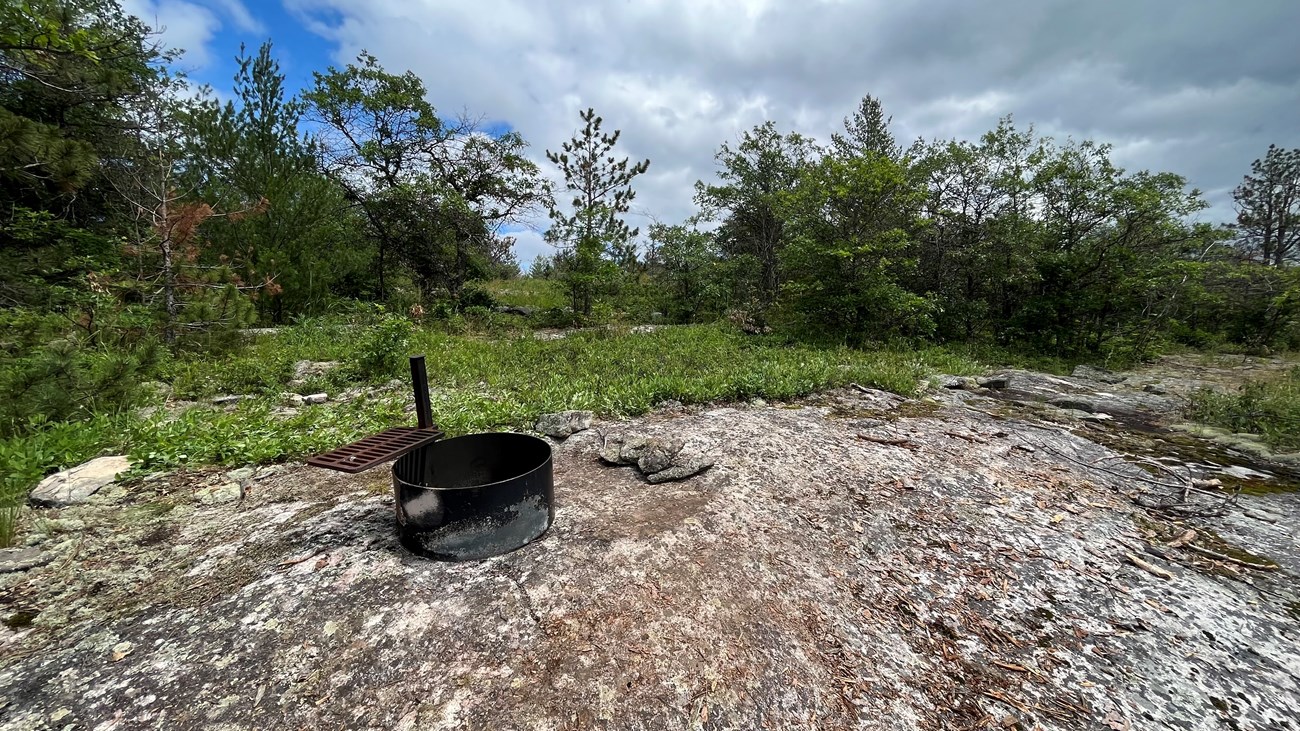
{"points": [[1196, 87]]}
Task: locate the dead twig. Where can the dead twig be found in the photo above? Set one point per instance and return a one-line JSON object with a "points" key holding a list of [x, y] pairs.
{"points": [[889, 441], [1150, 568], [1229, 559]]}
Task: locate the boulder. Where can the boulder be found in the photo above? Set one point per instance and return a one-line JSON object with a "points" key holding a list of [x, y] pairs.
{"points": [[955, 383], [76, 485], [521, 310], [1100, 375], [999, 381], [683, 466], [563, 424]]}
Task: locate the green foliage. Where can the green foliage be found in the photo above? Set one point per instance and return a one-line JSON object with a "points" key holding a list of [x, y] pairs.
{"points": [[382, 348], [1268, 208], [71, 380], [1268, 408], [755, 179], [290, 226], [850, 251], [433, 192], [592, 232]]}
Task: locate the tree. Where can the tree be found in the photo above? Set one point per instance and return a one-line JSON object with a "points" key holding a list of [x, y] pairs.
{"points": [[850, 250], [754, 178], [68, 69], [164, 218], [686, 264], [253, 156], [866, 132], [433, 193], [1268, 207], [592, 230]]}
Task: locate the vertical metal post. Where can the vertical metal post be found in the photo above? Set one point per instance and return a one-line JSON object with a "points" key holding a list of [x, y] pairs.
{"points": [[420, 382]]}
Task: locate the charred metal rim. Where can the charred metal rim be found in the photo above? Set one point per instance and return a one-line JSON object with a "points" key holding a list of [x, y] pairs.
{"points": [[454, 442]]}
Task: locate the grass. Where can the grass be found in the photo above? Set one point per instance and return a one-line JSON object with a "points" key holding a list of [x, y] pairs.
{"points": [[477, 384], [1270, 408], [542, 294]]}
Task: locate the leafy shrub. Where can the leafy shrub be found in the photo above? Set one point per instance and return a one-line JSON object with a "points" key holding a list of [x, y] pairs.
{"points": [[382, 349], [1268, 408], [69, 380]]}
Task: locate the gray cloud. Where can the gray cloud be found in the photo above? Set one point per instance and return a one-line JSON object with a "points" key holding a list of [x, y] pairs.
{"points": [[1199, 88]]}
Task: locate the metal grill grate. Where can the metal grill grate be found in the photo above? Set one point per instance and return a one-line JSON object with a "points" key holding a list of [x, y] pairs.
{"points": [[376, 449]]}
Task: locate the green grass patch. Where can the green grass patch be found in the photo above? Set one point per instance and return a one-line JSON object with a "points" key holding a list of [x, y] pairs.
{"points": [[542, 294], [1270, 408], [477, 384]]}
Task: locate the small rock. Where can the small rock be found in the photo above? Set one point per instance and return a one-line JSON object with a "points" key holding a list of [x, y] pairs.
{"points": [[79, 483], [241, 474], [315, 398], [156, 388], [305, 369], [657, 455], [1067, 402], [681, 469], [22, 559], [955, 383], [995, 382], [521, 310], [1155, 389], [563, 424], [219, 494], [291, 399], [227, 400], [757, 403]]}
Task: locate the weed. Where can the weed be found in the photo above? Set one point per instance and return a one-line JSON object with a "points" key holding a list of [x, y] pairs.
{"points": [[1270, 408]]}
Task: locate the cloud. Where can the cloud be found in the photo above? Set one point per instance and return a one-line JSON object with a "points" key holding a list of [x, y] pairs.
{"points": [[191, 26], [1200, 89]]}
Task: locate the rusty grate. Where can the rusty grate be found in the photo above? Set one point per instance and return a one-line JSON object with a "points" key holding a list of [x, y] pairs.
{"points": [[376, 449]]}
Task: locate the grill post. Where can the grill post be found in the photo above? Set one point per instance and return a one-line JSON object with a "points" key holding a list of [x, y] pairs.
{"points": [[420, 382]]}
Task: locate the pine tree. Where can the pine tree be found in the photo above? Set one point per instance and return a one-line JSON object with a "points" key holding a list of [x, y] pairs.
{"points": [[593, 230], [1268, 207]]}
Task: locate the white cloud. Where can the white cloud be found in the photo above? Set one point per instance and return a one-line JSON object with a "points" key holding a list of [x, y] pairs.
{"points": [[190, 26], [1200, 90]]}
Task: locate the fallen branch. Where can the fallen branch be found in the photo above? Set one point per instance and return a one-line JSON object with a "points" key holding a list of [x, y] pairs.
{"points": [[1224, 557], [889, 441], [1150, 568]]}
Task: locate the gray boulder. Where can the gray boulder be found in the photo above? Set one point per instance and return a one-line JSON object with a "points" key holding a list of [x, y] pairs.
{"points": [[564, 423], [1100, 375], [999, 381], [660, 459], [76, 485], [521, 310]]}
